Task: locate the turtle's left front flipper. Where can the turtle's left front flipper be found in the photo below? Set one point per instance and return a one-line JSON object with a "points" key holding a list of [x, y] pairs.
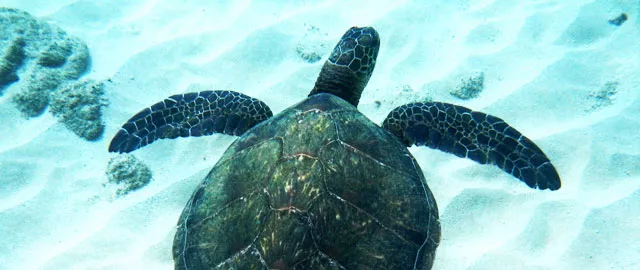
{"points": [[191, 114], [474, 135]]}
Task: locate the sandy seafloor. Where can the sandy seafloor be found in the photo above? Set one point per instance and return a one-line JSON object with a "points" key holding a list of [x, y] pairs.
{"points": [[544, 64]]}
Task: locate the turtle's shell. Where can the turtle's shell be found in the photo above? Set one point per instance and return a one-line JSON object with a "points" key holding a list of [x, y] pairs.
{"points": [[317, 186]]}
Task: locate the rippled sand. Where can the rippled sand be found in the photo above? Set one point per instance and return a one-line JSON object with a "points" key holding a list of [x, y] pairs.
{"points": [[555, 70]]}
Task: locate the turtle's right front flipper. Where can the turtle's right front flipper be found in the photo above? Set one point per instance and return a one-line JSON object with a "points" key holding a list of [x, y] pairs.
{"points": [[191, 114], [474, 135]]}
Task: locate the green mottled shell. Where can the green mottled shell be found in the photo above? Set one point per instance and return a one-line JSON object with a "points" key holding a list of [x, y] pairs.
{"points": [[317, 186]]}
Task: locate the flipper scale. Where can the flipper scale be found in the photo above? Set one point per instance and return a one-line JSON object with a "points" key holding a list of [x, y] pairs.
{"points": [[475, 135], [190, 115]]}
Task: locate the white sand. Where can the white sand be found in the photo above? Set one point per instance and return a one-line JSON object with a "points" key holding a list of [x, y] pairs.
{"points": [[541, 61]]}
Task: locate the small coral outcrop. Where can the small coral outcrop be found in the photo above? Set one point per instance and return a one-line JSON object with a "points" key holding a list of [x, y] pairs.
{"points": [[38, 57], [128, 172], [12, 59], [79, 107], [470, 88]]}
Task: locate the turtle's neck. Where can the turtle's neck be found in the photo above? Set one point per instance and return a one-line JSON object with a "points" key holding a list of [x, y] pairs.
{"points": [[340, 81]]}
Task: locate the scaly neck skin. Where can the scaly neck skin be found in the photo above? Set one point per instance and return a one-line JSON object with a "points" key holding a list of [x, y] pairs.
{"points": [[349, 67], [340, 81]]}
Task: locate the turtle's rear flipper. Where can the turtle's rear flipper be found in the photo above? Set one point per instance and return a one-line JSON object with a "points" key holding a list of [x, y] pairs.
{"points": [[475, 135], [191, 114]]}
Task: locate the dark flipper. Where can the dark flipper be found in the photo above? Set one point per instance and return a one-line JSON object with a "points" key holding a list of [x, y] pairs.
{"points": [[474, 135], [191, 114]]}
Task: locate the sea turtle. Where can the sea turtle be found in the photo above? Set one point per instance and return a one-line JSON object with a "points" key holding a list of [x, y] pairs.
{"points": [[320, 186]]}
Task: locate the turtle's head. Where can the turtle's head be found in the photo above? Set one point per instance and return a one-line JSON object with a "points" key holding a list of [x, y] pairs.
{"points": [[348, 69]]}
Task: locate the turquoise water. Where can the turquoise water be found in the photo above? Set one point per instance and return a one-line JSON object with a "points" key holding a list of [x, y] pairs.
{"points": [[565, 74]]}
